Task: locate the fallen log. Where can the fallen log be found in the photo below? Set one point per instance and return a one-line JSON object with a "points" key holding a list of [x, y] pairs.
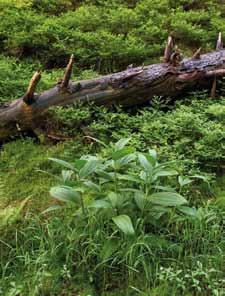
{"points": [[130, 87]]}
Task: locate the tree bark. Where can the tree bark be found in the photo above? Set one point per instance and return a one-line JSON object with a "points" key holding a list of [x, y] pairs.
{"points": [[131, 87]]}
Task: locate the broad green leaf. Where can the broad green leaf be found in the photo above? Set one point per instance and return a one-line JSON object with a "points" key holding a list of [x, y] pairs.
{"points": [[105, 175], [147, 166], [127, 159], [163, 188], [124, 223], [128, 178], [121, 143], [113, 198], [165, 173], [63, 163], [65, 193], [66, 175], [92, 186], [79, 163], [100, 204], [188, 211], [167, 199], [121, 153], [88, 168], [140, 200]]}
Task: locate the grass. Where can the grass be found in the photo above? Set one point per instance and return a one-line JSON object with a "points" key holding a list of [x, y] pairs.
{"points": [[51, 255], [66, 253]]}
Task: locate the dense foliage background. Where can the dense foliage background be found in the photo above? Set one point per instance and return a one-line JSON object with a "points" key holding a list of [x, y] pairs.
{"points": [[63, 253]]}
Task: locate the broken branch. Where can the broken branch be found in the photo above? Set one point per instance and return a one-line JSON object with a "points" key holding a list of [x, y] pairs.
{"points": [[68, 72], [29, 95]]}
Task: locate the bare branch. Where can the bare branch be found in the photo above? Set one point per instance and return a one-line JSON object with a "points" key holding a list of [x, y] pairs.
{"points": [[213, 89], [219, 44], [68, 72], [197, 54], [216, 73], [168, 50], [29, 95]]}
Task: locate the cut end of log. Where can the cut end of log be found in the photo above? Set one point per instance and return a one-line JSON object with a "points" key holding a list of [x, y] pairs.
{"points": [[168, 50], [197, 54], [29, 95], [68, 72], [219, 44]]}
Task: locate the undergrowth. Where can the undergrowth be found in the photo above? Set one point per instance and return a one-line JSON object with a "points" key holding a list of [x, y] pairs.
{"points": [[141, 222]]}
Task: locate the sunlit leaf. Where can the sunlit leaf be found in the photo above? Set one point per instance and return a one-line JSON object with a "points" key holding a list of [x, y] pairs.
{"points": [[121, 143]]}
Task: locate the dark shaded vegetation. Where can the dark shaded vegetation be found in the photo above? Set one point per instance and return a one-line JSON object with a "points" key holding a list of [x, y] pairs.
{"points": [[70, 252]]}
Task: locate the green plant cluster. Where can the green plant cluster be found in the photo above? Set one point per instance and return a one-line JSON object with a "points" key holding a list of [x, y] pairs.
{"points": [[105, 35], [125, 230], [191, 131]]}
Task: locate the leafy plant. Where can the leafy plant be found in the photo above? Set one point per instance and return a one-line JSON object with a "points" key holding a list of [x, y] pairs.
{"points": [[125, 185]]}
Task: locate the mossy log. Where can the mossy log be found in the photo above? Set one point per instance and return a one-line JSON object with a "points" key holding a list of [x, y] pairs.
{"points": [[133, 86]]}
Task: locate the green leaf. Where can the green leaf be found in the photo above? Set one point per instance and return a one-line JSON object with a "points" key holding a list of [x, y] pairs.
{"points": [[88, 168], [167, 199], [121, 143], [121, 153], [140, 200], [79, 163], [124, 223], [165, 173], [105, 175], [128, 178], [66, 175], [92, 186], [188, 211], [63, 163], [147, 166], [65, 193], [184, 181], [113, 198], [127, 159], [100, 204]]}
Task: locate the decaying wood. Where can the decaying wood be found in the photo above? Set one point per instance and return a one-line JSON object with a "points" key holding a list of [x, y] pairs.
{"points": [[28, 98], [130, 87], [68, 72], [168, 50]]}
